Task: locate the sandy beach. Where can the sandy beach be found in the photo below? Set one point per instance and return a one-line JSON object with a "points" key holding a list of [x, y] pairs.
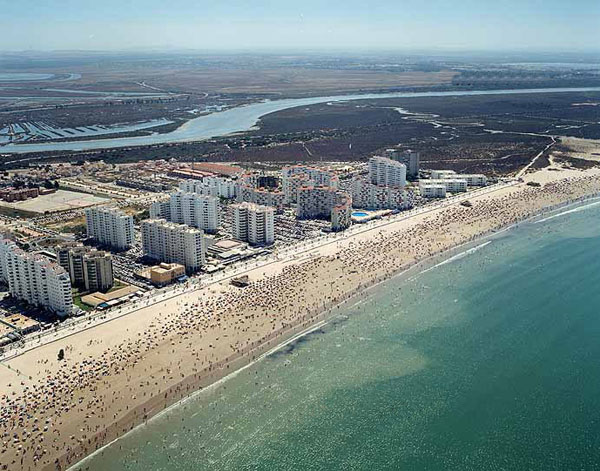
{"points": [[118, 374]]}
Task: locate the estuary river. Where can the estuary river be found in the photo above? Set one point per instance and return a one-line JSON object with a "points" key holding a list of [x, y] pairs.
{"points": [[489, 360], [243, 118]]}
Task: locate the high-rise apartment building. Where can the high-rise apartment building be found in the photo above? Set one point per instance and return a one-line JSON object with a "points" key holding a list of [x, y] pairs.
{"points": [[319, 202], [296, 176], [174, 243], [253, 223], [210, 186], [89, 269], [387, 172], [110, 226], [262, 196], [407, 157], [366, 195], [37, 280], [6, 245], [192, 209]]}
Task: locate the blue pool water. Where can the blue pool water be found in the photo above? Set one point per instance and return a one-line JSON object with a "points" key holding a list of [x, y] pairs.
{"points": [[359, 214]]}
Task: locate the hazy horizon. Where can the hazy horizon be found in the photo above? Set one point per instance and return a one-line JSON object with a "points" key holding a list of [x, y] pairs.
{"points": [[402, 26]]}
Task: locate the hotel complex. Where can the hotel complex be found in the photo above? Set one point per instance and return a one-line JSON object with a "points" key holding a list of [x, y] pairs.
{"points": [[173, 243], [253, 223], [366, 195], [297, 176], [109, 226], [323, 202]]}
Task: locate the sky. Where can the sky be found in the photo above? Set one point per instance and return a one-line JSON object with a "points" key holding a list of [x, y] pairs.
{"points": [[472, 25]]}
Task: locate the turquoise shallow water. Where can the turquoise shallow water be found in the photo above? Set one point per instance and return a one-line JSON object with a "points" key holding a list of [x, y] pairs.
{"points": [[490, 361]]}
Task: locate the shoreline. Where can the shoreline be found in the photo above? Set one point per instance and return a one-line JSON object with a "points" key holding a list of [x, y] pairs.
{"points": [[200, 337], [170, 293], [316, 321]]}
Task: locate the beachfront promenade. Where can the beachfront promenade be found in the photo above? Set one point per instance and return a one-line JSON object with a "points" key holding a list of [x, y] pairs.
{"points": [[115, 376], [292, 253]]}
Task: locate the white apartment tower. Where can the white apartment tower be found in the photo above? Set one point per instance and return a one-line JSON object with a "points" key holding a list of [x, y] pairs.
{"points": [[87, 268], [6, 245], [210, 186], [387, 172], [296, 176], [196, 210], [366, 195], [33, 278], [409, 158], [110, 226], [160, 210], [174, 243], [253, 223]]}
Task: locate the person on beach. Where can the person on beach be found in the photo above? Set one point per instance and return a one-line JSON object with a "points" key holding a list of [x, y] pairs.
{"points": [[65, 412]]}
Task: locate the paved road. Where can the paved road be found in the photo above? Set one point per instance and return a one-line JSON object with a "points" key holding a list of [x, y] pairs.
{"points": [[295, 252]]}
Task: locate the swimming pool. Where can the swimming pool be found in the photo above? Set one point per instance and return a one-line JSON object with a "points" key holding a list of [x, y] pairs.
{"points": [[359, 214]]}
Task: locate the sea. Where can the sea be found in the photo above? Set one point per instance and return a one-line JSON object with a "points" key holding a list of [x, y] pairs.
{"points": [[488, 360]]}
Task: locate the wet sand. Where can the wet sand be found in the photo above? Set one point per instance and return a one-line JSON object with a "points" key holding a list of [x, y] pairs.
{"points": [[118, 374]]}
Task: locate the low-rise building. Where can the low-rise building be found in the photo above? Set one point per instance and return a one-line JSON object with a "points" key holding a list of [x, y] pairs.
{"points": [[432, 190], [438, 174], [453, 185], [142, 184], [24, 325], [472, 179], [166, 273], [18, 194]]}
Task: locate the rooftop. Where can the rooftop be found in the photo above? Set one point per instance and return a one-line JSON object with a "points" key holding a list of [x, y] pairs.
{"points": [[19, 321], [221, 169]]}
